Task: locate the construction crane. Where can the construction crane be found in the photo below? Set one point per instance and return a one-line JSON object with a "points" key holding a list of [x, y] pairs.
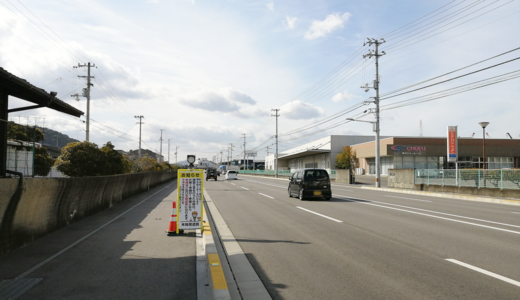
{"points": [[509, 135]]}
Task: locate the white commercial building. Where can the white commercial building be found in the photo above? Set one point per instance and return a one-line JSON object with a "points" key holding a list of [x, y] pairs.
{"points": [[321, 153]]}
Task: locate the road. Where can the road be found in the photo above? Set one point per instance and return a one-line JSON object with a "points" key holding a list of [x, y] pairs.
{"points": [[366, 244], [120, 253]]}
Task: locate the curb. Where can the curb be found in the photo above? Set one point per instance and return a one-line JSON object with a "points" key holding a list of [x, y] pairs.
{"points": [[446, 195], [247, 281], [209, 267]]}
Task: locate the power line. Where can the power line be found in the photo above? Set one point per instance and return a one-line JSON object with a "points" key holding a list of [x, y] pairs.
{"points": [[407, 42], [415, 84], [456, 90], [452, 78]]}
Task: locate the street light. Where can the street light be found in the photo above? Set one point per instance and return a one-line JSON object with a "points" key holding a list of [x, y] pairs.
{"points": [[483, 124]]}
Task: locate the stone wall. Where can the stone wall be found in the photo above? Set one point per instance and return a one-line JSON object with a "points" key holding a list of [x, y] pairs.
{"points": [[43, 205]]}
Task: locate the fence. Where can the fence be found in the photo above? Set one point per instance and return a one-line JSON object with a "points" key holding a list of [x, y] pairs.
{"points": [[501, 179], [284, 173]]}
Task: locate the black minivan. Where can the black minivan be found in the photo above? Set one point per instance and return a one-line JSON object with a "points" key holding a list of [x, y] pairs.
{"points": [[310, 183]]}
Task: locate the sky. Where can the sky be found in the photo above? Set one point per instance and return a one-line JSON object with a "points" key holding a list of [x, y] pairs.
{"points": [[204, 74]]}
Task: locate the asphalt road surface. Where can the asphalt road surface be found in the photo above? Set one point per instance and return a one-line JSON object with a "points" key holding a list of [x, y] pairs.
{"points": [[120, 253], [366, 244]]}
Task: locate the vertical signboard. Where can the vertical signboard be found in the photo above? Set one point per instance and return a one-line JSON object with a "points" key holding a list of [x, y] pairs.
{"points": [[189, 198], [453, 144]]}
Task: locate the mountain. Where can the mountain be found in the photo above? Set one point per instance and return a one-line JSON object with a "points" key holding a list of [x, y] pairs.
{"points": [[55, 139]]}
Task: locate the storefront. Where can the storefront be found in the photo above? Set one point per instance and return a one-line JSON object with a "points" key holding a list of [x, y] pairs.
{"points": [[431, 153]]}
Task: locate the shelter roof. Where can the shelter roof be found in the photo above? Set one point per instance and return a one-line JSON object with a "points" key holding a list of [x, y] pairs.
{"points": [[22, 89]]}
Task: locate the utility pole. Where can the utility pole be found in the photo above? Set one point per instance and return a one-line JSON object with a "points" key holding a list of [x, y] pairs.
{"points": [[160, 148], [140, 123], [276, 110], [221, 156], [376, 100], [86, 93], [168, 151], [231, 151], [267, 150], [245, 164], [176, 154]]}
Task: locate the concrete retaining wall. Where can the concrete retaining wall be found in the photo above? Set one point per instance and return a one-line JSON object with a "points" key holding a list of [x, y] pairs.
{"points": [[404, 179], [465, 190], [343, 176], [44, 205], [401, 178]]}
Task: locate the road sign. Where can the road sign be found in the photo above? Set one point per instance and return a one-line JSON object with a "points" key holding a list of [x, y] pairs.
{"points": [[189, 198]]}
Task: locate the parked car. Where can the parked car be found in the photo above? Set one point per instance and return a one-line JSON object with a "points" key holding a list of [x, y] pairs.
{"points": [[310, 183], [231, 175]]}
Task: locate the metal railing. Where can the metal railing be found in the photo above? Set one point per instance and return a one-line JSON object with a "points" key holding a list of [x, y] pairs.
{"points": [[284, 173], [501, 179]]}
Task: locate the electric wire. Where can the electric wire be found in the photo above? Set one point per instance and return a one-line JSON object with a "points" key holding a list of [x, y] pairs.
{"points": [[412, 40], [415, 84], [467, 74]]}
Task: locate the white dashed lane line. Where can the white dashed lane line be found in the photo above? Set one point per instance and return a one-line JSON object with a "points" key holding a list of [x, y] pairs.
{"points": [[324, 216], [266, 195], [244, 188]]}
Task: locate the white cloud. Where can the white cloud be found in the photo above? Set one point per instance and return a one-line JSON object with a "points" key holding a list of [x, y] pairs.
{"points": [[225, 100], [289, 22], [321, 28], [270, 6], [297, 110], [345, 96]]}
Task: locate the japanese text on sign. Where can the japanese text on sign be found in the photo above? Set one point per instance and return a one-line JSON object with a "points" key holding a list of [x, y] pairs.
{"points": [[189, 197], [452, 144]]}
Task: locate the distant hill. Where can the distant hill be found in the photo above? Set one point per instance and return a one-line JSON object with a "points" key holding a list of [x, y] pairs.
{"points": [[55, 139]]}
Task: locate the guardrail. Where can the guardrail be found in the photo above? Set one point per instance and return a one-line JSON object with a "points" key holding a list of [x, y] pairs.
{"points": [[501, 179], [285, 173]]}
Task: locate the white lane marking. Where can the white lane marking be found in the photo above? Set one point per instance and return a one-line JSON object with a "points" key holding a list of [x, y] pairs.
{"points": [[515, 212], [343, 190], [508, 280], [86, 236], [244, 188], [233, 184], [453, 220], [407, 198], [335, 220], [266, 196], [432, 211]]}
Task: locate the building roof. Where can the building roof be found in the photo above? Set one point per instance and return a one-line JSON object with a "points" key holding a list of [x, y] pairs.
{"points": [[22, 89]]}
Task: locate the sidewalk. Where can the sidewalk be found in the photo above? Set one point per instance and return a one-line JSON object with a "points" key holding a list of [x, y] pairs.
{"points": [[122, 252]]}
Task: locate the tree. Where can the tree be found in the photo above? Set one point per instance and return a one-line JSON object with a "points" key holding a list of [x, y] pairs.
{"points": [[81, 159], [147, 164], [42, 161], [347, 159], [23, 133], [114, 163]]}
